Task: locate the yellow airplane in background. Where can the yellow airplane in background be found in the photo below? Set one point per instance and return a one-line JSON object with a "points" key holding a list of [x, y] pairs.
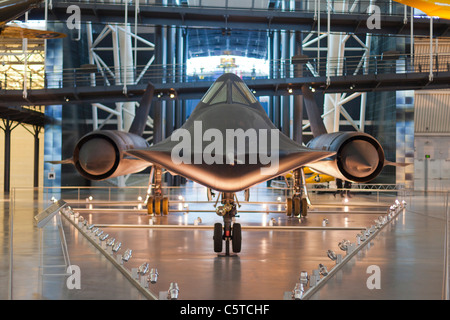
{"points": [[432, 8], [313, 177]]}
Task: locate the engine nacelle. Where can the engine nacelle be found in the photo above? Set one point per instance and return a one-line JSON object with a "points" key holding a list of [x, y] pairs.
{"points": [[101, 155], [359, 156]]}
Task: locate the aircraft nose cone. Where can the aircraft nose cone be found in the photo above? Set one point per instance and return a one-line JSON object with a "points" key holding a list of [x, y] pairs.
{"points": [[360, 158], [97, 156]]}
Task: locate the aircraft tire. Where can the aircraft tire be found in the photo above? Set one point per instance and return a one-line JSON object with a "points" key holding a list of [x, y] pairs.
{"points": [[157, 206], [150, 205], [288, 206], [165, 206], [297, 206], [236, 237], [218, 241], [304, 207]]}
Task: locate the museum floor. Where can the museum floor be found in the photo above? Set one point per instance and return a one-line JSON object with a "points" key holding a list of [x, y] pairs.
{"points": [[410, 250]]}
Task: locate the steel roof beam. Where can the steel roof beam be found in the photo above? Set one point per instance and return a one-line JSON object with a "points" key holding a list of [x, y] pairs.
{"points": [[243, 19]]}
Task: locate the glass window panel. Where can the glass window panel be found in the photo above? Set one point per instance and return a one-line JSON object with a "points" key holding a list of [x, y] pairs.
{"points": [[237, 96], [211, 91], [221, 96], [246, 91]]}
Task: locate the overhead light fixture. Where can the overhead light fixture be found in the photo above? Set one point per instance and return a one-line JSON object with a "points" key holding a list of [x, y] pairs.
{"points": [[290, 90], [172, 93]]}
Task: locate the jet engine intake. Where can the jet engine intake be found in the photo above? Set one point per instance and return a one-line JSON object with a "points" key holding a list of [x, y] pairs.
{"points": [[359, 157], [101, 155]]}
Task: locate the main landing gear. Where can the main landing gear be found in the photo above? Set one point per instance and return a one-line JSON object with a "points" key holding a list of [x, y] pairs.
{"points": [[230, 232], [157, 203], [297, 205]]}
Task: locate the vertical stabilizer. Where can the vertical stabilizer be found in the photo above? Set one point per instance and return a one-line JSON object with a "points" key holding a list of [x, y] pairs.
{"points": [[138, 125], [315, 119]]}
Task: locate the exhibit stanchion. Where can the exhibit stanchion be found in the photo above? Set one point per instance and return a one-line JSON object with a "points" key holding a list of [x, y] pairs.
{"points": [[41, 220], [351, 249], [445, 289]]}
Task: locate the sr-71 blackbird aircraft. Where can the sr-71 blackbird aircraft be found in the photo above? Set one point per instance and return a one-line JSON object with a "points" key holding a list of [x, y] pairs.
{"points": [[12, 9], [228, 144]]}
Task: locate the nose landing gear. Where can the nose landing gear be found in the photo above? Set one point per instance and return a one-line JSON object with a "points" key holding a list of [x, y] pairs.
{"points": [[230, 232]]}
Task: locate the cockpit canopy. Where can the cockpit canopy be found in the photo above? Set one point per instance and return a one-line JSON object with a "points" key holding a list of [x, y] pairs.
{"points": [[229, 89]]}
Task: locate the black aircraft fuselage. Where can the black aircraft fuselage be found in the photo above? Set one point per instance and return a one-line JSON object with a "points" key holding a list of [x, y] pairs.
{"points": [[228, 143]]}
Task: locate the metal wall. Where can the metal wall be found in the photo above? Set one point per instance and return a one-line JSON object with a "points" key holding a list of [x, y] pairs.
{"points": [[432, 112], [432, 140]]}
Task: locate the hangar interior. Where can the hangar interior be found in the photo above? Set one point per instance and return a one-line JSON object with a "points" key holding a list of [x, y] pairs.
{"points": [[389, 81]]}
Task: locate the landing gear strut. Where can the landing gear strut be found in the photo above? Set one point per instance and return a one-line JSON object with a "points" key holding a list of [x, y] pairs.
{"points": [[230, 231], [297, 205], [157, 204]]}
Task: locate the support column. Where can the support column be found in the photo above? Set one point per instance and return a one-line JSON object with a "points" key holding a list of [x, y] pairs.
{"points": [[7, 165], [285, 99], [362, 113], [157, 114], [298, 61], [336, 46], [276, 74], [37, 130], [127, 72], [170, 62]]}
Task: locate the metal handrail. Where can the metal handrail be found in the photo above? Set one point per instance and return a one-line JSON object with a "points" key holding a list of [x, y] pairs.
{"points": [[278, 69]]}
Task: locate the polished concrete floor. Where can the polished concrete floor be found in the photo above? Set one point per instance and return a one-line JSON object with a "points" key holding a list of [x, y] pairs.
{"points": [[409, 251]]}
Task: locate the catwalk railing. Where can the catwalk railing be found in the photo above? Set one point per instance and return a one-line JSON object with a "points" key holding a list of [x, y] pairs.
{"points": [[391, 63]]}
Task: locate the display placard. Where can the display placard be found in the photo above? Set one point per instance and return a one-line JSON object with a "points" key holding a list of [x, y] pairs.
{"points": [[42, 218]]}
